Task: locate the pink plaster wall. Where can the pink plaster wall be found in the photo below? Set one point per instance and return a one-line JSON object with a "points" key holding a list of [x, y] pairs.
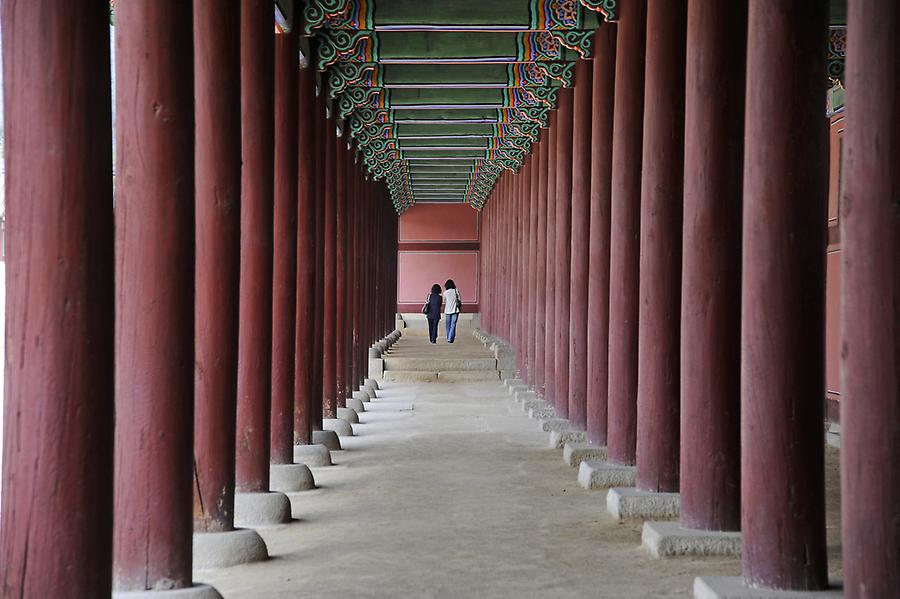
{"points": [[418, 271], [436, 223]]}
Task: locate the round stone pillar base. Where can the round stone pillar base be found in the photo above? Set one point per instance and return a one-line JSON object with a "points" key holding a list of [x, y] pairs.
{"points": [[348, 414], [197, 591], [327, 438], [261, 509], [291, 478], [338, 425], [314, 455], [224, 549]]}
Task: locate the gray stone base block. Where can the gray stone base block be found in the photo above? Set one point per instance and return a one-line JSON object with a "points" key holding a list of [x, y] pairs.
{"points": [[575, 453], [669, 539], [558, 439], [197, 591], [361, 395], [338, 425], [371, 391], [604, 475], [372, 382], [507, 374], [348, 414], [291, 478], [733, 587], [513, 389], [356, 403], [628, 503], [526, 394], [314, 456], [327, 438], [225, 549], [541, 413], [532, 404], [509, 382], [254, 510], [554, 424]]}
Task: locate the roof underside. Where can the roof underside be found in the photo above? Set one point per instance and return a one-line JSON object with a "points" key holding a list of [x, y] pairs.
{"points": [[440, 96]]}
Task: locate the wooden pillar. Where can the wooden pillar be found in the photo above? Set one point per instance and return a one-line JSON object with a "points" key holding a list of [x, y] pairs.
{"points": [[154, 370], [580, 256], [329, 373], [870, 236], [602, 95], [711, 280], [340, 273], [318, 322], [530, 268], [304, 353], [625, 217], [284, 290], [57, 515], [563, 252], [257, 197], [783, 296], [662, 187], [550, 277], [217, 155], [540, 267]]}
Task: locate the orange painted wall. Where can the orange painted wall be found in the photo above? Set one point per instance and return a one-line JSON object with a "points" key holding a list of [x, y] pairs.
{"points": [[436, 242]]}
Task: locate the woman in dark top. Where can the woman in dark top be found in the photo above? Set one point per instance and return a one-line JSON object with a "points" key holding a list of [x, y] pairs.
{"points": [[433, 311]]}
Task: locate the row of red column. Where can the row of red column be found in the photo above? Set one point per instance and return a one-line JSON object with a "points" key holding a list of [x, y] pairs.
{"points": [[166, 348], [658, 265]]}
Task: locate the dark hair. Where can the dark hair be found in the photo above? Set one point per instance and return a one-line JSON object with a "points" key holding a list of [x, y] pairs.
{"points": [[435, 288], [450, 284]]}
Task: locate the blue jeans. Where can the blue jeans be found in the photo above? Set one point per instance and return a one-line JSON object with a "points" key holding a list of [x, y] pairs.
{"points": [[451, 326]]}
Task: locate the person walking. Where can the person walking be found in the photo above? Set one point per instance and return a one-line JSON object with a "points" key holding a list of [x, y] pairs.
{"points": [[452, 306], [432, 310]]}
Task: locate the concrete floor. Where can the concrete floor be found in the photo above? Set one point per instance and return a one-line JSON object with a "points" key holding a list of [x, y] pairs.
{"points": [[450, 491]]}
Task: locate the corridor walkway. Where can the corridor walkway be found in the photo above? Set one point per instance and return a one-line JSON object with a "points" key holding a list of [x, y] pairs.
{"points": [[448, 490]]}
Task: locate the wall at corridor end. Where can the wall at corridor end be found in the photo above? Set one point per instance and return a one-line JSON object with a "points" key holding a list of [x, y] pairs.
{"points": [[436, 242]]}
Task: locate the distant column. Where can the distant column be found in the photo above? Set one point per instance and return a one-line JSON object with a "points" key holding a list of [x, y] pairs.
{"points": [[57, 517], [625, 216], [329, 380], [340, 272], [783, 296], [870, 237], [581, 224], [603, 84], [550, 278], [540, 267], [563, 252], [662, 187]]}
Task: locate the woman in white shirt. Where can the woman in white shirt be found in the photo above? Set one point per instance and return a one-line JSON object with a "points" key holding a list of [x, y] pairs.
{"points": [[452, 305]]}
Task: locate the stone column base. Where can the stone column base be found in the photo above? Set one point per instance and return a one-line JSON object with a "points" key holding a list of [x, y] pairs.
{"points": [[558, 439], [291, 478], [225, 549], [356, 402], [348, 414], [327, 438], [373, 383], [339, 426], [628, 503], [733, 587], [197, 591], [313, 455], [604, 475], [575, 453], [544, 413], [554, 424], [254, 510], [670, 539]]}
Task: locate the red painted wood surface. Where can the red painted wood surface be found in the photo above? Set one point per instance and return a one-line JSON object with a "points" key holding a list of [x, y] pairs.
{"points": [[154, 368], [782, 301], [340, 282], [56, 522], [257, 197], [284, 247], [603, 83], [329, 374], [711, 280], [662, 192], [317, 324], [540, 266], [304, 354], [870, 234], [550, 277], [625, 233], [217, 155], [580, 256], [563, 253]]}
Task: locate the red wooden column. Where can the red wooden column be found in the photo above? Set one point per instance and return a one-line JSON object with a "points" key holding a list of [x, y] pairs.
{"points": [[304, 353], [625, 211], [659, 319], [870, 227], [57, 519], [530, 268], [782, 302], [329, 374], [602, 95], [550, 278], [318, 321], [519, 302], [580, 256], [563, 252], [257, 196], [217, 155], [540, 267], [711, 279], [284, 289], [340, 275], [154, 370]]}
